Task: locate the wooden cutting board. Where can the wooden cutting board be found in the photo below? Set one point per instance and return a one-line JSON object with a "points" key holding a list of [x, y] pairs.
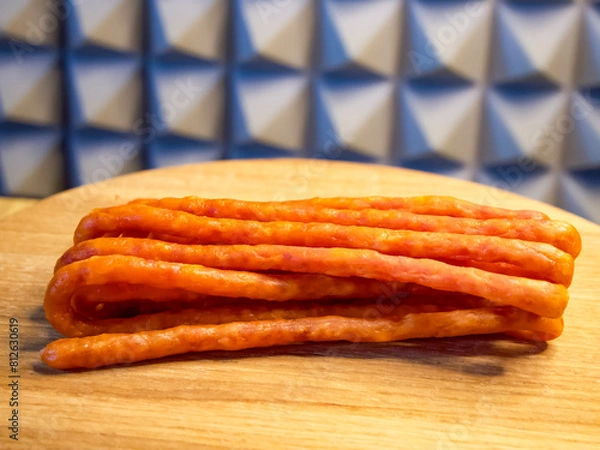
{"points": [[432, 394]]}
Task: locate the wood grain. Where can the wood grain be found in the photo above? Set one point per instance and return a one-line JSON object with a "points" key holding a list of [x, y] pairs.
{"points": [[438, 394], [10, 205]]}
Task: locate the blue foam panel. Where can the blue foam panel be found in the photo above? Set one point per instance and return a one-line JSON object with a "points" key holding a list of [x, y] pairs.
{"points": [[503, 92]]}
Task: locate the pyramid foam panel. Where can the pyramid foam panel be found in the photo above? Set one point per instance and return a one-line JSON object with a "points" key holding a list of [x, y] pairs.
{"points": [[503, 92]]}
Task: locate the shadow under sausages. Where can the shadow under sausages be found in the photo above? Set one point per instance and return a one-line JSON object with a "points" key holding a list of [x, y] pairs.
{"points": [[44, 332], [483, 356]]}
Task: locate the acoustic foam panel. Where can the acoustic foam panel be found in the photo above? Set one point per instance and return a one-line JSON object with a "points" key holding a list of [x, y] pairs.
{"points": [[503, 92]]}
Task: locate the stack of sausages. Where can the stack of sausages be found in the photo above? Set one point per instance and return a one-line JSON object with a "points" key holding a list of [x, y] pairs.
{"points": [[162, 277]]}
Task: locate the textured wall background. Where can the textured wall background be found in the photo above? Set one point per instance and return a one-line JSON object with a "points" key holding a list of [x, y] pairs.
{"points": [[501, 92]]}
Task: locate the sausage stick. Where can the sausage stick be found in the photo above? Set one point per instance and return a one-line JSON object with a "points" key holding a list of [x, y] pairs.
{"points": [[539, 297], [109, 349], [562, 235], [429, 204], [553, 264]]}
